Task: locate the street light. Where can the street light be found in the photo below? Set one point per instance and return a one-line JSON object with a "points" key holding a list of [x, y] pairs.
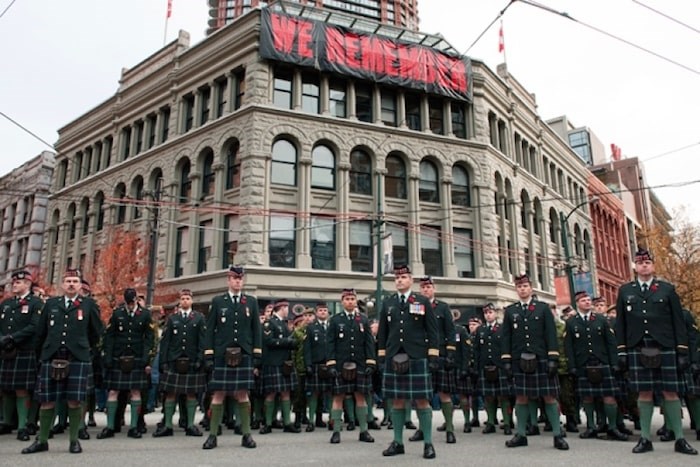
{"points": [[569, 267]]}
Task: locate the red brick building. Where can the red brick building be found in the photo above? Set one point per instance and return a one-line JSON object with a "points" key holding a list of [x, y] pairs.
{"points": [[610, 239]]}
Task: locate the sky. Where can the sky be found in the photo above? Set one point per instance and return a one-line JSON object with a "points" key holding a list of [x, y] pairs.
{"points": [[61, 59]]}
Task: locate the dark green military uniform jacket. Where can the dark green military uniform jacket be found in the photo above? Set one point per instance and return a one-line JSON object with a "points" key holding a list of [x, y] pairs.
{"points": [[232, 324], [584, 340], [656, 314], [129, 334], [693, 336], [316, 344], [275, 343], [488, 345], [529, 329], [411, 328], [446, 328], [76, 327], [183, 337], [465, 355], [350, 340], [18, 318]]}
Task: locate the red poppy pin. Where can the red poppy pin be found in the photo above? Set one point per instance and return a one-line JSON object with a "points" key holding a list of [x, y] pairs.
{"points": [[654, 287], [23, 302], [531, 307], [592, 317], [243, 300], [411, 299], [494, 328], [76, 302], [434, 304], [137, 312]]}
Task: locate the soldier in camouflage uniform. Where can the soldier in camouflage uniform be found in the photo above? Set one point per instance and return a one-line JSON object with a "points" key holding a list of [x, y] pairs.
{"points": [[315, 357], [567, 383], [301, 322]]}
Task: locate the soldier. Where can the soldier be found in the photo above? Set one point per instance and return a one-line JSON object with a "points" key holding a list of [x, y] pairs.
{"points": [[531, 355], [652, 341], [279, 376], [181, 356], [66, 332], [692, 375], [444, 383], [591, 357], [126, 351], [318, 382], [466, 372], [493, 383], [350, 349], [408, 353], [18, 318], [233, 353], [302, 319], [600, 306]]}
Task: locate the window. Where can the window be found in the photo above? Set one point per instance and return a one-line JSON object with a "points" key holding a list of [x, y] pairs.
{"points": [[239, 88], [459, 120], [282, 242], [431, 250], [137, 194], [185, 182], [322, 243], [413, 111], [579, 141], [87, 162], [282, 92], [138, 128], [284, 163], [62, 173], [337, 99], [86, 217], [181, 241], [388, 107], [360, 173], [204, 102], [399, 242], [126, 142], [435, 116], [363, 103], [100, 211], [310, 93], [77, 166], [233, 167], [206, 237], [464, 258], [553, 219], [232, 226], [72, 221], [361, 246], [151, 128], [221, 97], [323, 168], [428, 189], [188, 116], [395, 179], [460, 187], [121, 207], [165, 123], [208, 175]]}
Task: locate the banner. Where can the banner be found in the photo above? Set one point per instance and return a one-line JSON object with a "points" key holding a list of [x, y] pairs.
{"points": [[327, 47], [387, 260]]}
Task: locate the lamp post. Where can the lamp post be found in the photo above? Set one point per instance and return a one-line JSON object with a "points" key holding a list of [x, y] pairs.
{"points": [[569, 268]]}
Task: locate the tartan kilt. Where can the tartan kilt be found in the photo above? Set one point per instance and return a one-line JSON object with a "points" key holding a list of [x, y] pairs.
{"points": [[444, 380], [499, 388], [316, 384], [362, 384], [274, 380], [227, 379], [19, 372], [664, 378], [416, 384], [465, 387], [607, 387], [118, 380], [537, 384], [192, 382], [73, 388], [692, 385]]}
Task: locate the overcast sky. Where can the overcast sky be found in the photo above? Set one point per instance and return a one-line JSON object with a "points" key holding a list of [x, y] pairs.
{"points": [[62, 58]]}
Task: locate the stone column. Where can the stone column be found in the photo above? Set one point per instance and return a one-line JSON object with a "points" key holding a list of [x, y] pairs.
{"points": [[351, 101], [254, 198], [170, 193], [194, 230], [401, 110], [296, 89], [303, 237], [217, 248], [342, 237], [324, 95], [448, 240], [530, 222], [413, 234]]}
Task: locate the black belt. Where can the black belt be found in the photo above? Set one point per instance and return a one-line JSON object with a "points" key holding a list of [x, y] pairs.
{"points": [[63, 353]]}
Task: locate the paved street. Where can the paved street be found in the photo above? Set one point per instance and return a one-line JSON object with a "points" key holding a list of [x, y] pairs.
{"points": [[307, 449]]}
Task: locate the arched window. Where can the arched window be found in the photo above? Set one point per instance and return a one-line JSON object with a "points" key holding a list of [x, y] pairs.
{"points": [[71, 221], [553, 221], [322, 168], [395, 179], [208, 176], [185, 182], [284, 163], [137, 195], [99, 210], [360, 173], [120, 193], [428, 185], [84, 215], [460, 187]]}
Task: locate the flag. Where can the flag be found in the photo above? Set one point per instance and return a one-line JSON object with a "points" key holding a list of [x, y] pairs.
{"points": [[501, 42], [386, 262], [169, 12]]}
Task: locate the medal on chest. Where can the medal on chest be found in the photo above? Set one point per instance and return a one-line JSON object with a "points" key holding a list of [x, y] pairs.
{"points": [[25, 309], [80, 314]]}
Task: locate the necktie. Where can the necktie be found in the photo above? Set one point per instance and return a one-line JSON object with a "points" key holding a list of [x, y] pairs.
{"points": [[235, 299], [645, 287], [403, 299]]}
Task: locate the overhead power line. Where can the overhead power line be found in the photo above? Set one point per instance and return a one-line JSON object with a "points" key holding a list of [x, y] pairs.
{"points": [[27, 130], [660, 13], [7, 8], [673, 151]]}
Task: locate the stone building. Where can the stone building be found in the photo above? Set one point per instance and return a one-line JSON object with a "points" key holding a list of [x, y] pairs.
{"points": [[25, 192], [286, 169]]}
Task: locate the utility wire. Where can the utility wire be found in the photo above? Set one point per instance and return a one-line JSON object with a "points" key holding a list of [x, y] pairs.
{"points": [[27, 130], [670, 152], [500, 14], [660, 13], [608, 34], [7, 8]]}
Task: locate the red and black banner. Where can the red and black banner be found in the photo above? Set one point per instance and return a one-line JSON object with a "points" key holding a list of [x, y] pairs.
{"points": [[370, 57]]}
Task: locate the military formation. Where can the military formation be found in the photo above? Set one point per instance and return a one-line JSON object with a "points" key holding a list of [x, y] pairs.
{"points": [[250, 369]]}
